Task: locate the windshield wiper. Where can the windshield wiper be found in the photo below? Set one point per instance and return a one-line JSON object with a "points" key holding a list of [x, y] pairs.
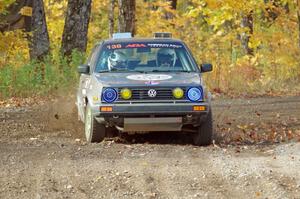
{"points": [[113, 70], [119, 70], [184, 71], [140, 71], [160, 71], [174, 71], [103, 71], [116, 70]]}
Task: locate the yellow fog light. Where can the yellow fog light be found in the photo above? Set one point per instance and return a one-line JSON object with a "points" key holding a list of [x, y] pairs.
{"points": [[126, 93], [178, 93], [95, 98]]}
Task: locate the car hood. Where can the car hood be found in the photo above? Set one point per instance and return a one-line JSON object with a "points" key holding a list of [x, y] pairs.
{"points": [[148, 79]]}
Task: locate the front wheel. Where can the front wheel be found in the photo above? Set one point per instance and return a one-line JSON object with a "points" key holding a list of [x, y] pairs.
{"points": [[203, 136], [94, 131]]}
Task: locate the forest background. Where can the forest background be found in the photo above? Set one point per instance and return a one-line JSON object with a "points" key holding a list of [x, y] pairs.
{"points": [[254, 45]]}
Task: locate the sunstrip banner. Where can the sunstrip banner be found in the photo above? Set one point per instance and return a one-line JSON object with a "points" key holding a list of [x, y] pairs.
{"points": [[142, 45], [164, 46], [136, 46]]}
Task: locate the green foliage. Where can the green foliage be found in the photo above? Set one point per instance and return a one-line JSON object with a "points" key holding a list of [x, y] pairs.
{"points": [[39, 78]]}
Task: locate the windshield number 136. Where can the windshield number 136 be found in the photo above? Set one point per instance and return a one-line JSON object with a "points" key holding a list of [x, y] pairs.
{"points": [[114, 46]]}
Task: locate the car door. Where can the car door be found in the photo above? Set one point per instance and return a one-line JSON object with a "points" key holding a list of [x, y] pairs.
{"points": [[84, 84]]}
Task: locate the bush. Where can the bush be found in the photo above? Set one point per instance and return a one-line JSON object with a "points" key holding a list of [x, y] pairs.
{"points": [[35, 78]]}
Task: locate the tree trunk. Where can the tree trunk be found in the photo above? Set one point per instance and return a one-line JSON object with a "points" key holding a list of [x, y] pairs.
{"points": [[127, 16], [247, 22], [39, 41], [173, 6], [76, 26], [111, 17], [274, 9]]}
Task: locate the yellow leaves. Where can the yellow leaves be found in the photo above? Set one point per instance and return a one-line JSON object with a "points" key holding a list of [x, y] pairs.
{"points": [[13, 48], [153, 19], [213, 4], [218, 18], [194, 12], [197, 9], [55, 14], [26, 11], [4, 4], [254, 42], [12, 43]]}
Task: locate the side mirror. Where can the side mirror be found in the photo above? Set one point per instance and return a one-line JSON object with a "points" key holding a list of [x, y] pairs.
{"points": [[206, 68], [83, 69]]}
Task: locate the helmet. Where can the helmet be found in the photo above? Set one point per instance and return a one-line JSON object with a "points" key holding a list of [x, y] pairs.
{"points": [[117, 59], [166, 57]]}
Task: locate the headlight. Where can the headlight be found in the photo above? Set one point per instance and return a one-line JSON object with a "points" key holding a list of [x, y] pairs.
{"points": [[195, 94], [109, 95], [178, 93], [126, 93]]}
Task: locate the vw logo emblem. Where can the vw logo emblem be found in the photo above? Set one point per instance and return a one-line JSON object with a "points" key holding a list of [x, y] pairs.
{"points": [[152, 93]]}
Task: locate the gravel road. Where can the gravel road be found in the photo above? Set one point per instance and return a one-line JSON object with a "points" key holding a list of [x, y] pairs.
{"points": [[256, 154]]}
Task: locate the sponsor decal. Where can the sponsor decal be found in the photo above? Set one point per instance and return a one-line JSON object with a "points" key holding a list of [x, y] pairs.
{"points": [[114, 46], [164, 46], [136, 46], [149, 77]]}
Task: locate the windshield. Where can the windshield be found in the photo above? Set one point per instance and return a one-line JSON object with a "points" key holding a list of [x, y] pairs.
{"points": [[144, 57]]}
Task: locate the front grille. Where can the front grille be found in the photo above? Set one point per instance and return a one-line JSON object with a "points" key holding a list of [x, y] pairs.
{"points": [[142, 94]]}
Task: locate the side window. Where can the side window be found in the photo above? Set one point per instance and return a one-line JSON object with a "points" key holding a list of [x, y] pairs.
{"points": [[89, 58], [102, 61], [92, 56]]}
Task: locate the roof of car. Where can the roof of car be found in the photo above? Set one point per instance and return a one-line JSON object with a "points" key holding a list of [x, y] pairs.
{"points": [[146, 40]]}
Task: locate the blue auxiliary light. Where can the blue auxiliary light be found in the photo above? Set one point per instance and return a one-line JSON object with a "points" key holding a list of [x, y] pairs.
{"points": [[109, 95], [195, 94]]}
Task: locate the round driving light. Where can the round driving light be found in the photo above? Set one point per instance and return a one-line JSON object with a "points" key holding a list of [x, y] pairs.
{"points": [[109, 95], [178, 93], [194, 94], [126, 93]]}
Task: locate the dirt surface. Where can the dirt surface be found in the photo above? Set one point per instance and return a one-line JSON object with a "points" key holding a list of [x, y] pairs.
{"points": [[256, 154]]}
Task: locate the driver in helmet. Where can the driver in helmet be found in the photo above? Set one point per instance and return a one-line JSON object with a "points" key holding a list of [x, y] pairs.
{"points": [[117, 60], [166, 57]]}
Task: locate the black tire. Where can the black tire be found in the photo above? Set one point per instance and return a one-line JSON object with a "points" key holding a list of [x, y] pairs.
{"points": [[204, 134], [94, 131]]}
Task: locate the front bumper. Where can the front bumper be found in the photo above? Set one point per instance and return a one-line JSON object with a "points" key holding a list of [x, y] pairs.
{"points": [[151, 109], [152, 116]]}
